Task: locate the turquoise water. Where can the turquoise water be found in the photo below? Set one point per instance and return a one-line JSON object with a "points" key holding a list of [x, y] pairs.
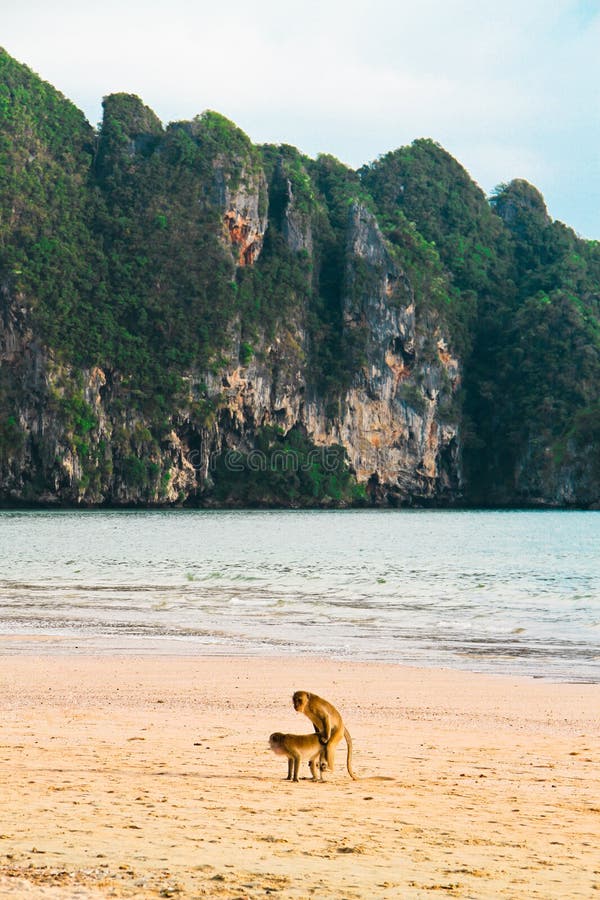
{"points": [[506, 592]]}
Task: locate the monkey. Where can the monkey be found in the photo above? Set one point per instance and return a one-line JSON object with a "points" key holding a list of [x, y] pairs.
{"points": [[298, 747], [328, 725]]}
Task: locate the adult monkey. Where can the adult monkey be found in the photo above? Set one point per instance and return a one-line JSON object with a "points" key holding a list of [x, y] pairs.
{"points": [[327, 723]]}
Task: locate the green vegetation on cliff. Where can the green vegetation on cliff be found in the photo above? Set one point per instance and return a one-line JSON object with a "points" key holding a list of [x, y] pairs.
{"points": [[286, 469], [163, 255]]}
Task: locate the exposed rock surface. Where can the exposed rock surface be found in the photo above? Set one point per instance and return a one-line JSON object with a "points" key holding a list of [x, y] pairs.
{"points": [[80, 443], [244, 210], [172, 295]]}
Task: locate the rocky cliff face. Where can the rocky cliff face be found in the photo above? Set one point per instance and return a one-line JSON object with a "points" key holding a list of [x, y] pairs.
{"points": [[78, 439], [541, 480], [169, 296], [188, 318], [390, 421], [244, 210]]}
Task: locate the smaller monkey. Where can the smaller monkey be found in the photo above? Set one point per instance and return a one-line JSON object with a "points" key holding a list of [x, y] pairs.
{"points": [[298, 747]]}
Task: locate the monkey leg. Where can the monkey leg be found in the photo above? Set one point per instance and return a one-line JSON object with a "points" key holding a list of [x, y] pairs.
{"points": [[296, 764], [322, 762], [336, 737], [313, 768]]}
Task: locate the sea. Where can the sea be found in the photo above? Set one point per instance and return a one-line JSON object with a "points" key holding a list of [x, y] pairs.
{"points": [[507, 592]]}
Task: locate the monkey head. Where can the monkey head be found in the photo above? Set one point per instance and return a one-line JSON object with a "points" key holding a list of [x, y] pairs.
{"points": [[276, 741], [300, 699]]}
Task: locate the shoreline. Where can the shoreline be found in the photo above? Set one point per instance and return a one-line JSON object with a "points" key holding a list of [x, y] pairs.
{"points": [[167, 646], [148, 776], [58, 507]]}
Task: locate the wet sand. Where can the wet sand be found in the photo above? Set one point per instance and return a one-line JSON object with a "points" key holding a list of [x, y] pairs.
{"points": [[125, 776]]}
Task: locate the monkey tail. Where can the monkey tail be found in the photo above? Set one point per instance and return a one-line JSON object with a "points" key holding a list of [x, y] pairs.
{"points": [[349, 757]]}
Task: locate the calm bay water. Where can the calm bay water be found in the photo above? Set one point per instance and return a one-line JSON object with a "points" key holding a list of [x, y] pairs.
{"points": [[506, 592]]}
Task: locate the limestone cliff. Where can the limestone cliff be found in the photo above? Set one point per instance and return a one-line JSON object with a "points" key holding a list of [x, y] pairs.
{"points": [[188, 318], [81, 441], [179, 294]]}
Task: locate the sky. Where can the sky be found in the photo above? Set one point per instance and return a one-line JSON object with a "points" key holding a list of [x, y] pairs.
{"points": [[511, 88]]}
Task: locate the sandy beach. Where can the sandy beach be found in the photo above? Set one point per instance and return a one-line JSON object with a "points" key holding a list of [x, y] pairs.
{"points": [[150, 776]]}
